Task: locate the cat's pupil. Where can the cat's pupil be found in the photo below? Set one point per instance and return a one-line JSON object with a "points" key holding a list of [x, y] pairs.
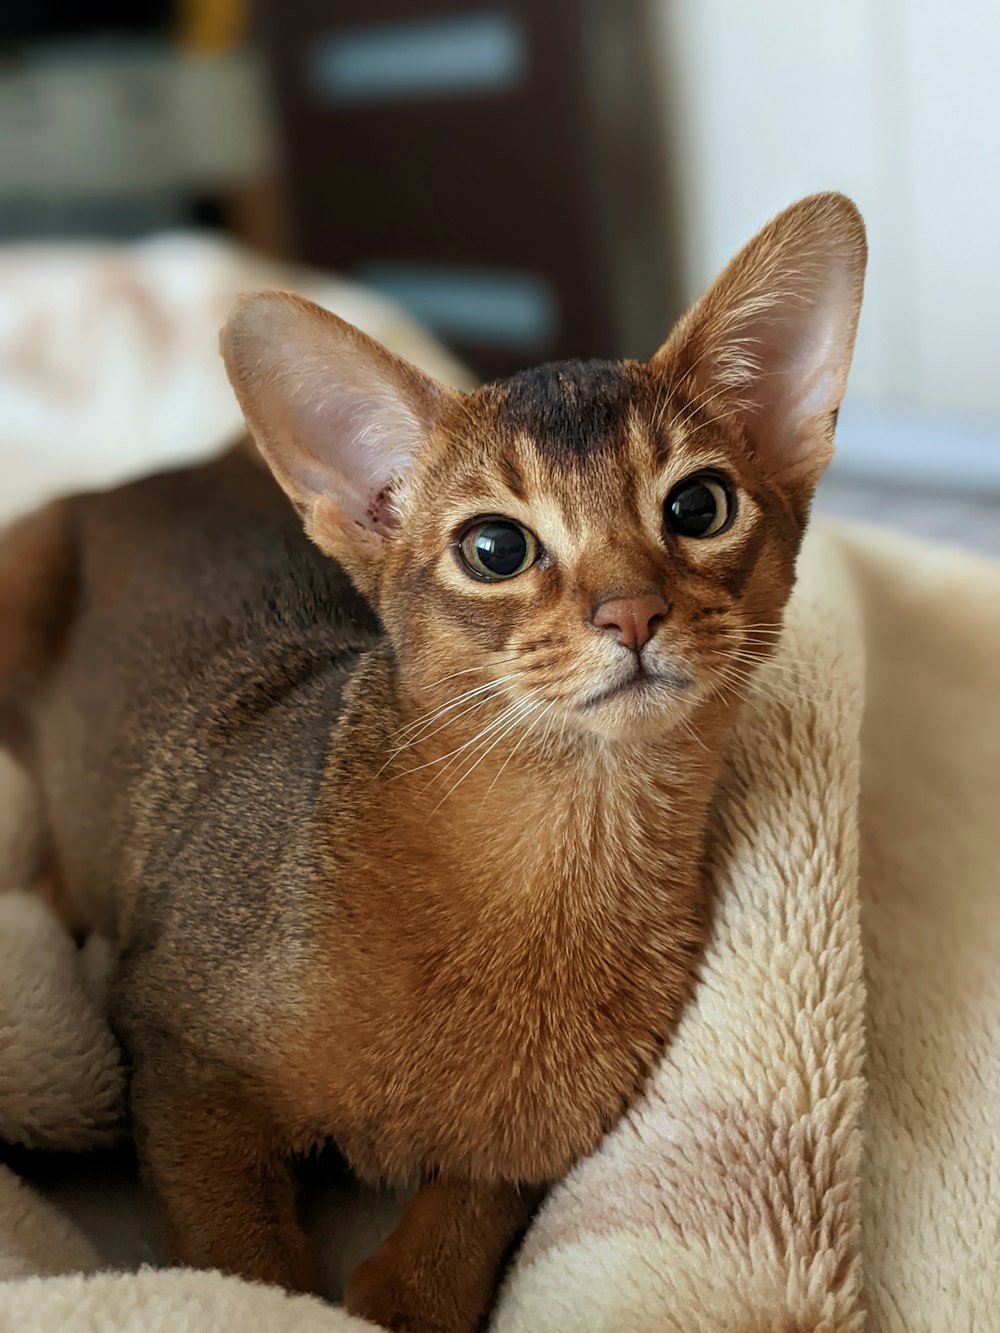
{"points": [[694, 509], [501, 548], [698, 507]]}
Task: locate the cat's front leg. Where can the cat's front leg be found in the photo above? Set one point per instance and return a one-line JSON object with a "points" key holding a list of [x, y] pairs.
{"points": [[221, 1170], [438, 1271]]}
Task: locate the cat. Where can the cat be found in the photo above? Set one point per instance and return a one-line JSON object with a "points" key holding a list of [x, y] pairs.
{"points": [[394, 797]]}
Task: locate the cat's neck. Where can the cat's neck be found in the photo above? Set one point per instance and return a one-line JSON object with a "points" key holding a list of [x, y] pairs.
{"points": [[554, 810]]}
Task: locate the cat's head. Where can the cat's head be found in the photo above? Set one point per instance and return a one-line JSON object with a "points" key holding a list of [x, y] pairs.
{"points": [[612, 542]]}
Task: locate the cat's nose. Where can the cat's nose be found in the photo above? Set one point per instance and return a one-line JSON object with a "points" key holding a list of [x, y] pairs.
{"points": [[632, 620]]}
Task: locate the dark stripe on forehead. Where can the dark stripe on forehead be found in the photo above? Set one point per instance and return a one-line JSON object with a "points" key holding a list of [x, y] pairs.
{"points": [[569, 409], [510, 475], [629, 497]]}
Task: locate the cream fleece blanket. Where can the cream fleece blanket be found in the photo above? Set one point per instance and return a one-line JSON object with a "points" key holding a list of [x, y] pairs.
{"points": [[820, 1148]]}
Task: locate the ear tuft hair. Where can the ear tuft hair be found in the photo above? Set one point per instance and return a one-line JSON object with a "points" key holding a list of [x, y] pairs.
{"points": [[771, 341]]}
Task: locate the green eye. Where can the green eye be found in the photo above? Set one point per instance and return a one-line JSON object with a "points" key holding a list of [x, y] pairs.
{"points": [[498, 548]]}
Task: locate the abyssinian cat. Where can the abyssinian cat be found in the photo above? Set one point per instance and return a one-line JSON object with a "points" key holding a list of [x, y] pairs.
{"points": [[394, 797]]}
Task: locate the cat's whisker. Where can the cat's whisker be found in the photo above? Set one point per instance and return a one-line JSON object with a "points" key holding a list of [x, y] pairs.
{"points": [[768, 650], [546, 709], [745, 632], [481, 694], [717, 691], [428, 719], [455, 757], [781, 694], [543, 739], [477, 743], [466, 671], [766, 642], [529, 706], [747, 668], [448, 722], [792, 667], [688, 728], [771, 652], [551, 719], [513, 711], [487, 730]]}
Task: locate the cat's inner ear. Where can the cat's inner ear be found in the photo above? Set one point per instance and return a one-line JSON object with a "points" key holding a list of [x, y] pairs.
{"points": [[770, 343], [338, 418]]}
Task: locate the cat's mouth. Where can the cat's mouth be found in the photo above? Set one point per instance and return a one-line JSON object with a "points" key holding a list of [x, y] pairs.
{"points": [[641, 683]]}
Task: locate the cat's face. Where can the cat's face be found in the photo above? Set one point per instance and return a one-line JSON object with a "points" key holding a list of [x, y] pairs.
{"points": [[610, 544], [602, 551]]}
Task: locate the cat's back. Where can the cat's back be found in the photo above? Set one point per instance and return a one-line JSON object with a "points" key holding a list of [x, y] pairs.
{"points": [[196, 573], [209, 550], [207, 647]]}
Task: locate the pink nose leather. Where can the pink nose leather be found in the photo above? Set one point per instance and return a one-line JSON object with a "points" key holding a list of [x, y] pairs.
{"points": [[632, 620]]}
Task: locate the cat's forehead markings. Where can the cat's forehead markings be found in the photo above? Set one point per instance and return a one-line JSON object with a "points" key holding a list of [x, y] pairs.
{"points": [[694, 446], [569, 410], [512, 474], [640, 429], [557, 528]]}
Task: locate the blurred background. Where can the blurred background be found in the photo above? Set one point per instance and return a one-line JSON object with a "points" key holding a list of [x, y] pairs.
{"points": [[526, 179]]}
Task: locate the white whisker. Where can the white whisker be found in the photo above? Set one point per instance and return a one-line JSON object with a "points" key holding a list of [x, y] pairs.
{"points": [[427, 719], [486, 731], [474, 707], [467, 671], [528, 707], [538, 719]]}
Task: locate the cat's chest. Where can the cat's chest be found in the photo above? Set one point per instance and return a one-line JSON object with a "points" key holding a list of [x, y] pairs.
{"points": [[459, 1086], [493, 1048]]}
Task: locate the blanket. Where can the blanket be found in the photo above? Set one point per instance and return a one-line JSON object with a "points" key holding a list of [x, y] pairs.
{"points": [[109, 364], [820, 1147]]}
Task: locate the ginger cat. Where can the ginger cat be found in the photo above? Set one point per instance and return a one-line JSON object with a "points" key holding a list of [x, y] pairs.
{"points": [[394, 797]]}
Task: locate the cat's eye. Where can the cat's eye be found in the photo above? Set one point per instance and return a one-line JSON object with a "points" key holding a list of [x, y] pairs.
{"points": [[498, 548], [699, 506]]}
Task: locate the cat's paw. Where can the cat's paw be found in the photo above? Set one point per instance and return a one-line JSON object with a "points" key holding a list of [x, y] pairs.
{"points": [[388, 1295]]}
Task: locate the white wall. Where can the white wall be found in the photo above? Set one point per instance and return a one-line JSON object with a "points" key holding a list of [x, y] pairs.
{"points": [[895, 102]]}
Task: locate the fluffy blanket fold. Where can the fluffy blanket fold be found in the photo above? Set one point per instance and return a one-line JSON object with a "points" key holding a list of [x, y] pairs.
{"points": [[820, 1147]]}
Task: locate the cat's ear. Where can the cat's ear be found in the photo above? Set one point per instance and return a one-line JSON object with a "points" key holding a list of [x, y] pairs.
{"points": [[338, 418], [770, 343]]}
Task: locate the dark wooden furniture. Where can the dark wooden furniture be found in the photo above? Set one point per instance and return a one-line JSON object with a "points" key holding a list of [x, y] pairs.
{"points": [[495, 164]]}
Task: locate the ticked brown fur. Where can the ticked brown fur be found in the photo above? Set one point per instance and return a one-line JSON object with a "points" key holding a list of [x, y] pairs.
{"points": [[394, 856]]}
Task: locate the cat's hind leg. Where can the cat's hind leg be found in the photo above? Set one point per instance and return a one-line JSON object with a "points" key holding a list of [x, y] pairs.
{"points": [[220, 1169]]}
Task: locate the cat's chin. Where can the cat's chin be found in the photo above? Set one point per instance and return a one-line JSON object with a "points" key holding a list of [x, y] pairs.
{"points": [[646, 704], [640, 690]]}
